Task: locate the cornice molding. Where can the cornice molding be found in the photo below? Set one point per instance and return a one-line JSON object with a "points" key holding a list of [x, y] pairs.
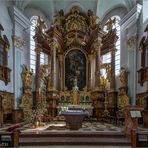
{"points": [[131, 17], [19, 17]]}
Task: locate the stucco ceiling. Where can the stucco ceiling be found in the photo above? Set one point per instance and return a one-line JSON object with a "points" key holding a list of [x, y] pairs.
{"points": [[50, 7]]}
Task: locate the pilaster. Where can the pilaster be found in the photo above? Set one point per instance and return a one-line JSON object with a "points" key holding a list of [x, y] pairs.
{"points": [[129, 48], [20, 36]]}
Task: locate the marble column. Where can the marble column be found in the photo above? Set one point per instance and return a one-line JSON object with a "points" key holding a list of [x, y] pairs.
{"points": [[89, 72], [53, 47], [98, 74], [61, 64], [37, 81], [112, 83]]}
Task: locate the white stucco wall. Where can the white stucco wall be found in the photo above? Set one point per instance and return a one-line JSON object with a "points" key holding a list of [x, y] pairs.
{"points": [[6, 22], [145, 10]]}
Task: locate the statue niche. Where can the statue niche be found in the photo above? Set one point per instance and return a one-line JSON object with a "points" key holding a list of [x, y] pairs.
{"points": [[75, 68]]}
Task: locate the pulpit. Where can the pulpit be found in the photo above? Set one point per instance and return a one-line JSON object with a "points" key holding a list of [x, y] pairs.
{"points": [[132, 113], [74, 118]]}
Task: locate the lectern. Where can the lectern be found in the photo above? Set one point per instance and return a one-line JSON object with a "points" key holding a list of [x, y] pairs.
{"points": [[132, 113]]}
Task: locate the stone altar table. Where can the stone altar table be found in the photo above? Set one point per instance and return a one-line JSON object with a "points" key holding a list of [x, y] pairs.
{"points": [[74, 118]]}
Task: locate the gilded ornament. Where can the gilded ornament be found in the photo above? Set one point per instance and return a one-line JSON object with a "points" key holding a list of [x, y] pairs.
{"points": [[26, 78], [110, 23], [131, 42], [41, 26], [18, 42], [123, 99], [123, 77]]}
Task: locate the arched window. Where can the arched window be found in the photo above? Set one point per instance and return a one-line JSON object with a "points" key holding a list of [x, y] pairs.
{"points": [[107, 57], [43, 57]]}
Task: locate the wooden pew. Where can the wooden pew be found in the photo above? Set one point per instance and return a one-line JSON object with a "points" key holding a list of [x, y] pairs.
{"points": [[9, 139], [139, 138]]}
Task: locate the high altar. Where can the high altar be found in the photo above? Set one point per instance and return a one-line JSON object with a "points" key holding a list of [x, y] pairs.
{"points": [[72, 78]]}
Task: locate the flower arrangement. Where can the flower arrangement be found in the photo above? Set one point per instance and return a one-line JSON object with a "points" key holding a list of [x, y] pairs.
{"points": [[39, 111]]}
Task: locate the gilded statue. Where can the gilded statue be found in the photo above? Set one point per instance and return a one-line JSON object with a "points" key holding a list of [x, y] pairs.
{"points": [[110, 23], [26, 77], [123, 99], [59, 18], [92, 19], [103, 81], [40, 25], [109, 72], [123, 77]]}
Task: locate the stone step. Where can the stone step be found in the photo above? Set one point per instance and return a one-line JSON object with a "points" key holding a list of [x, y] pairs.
{"points": [[73, 138]]}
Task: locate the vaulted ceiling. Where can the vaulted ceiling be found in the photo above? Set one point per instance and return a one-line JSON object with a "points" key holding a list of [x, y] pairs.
{"points": [[50, 7]]}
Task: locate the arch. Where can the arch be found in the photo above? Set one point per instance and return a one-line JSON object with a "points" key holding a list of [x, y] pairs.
{"points": [[31, 11], [119, 10], [107, 57]]}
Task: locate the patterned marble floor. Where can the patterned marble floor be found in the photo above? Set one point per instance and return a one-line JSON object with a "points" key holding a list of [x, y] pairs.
{"points": [[86, 126], [71, 146], [61, 126]]}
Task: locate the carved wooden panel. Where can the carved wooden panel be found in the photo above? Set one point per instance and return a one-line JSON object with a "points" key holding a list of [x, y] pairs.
{"points": [[142, 100], [7, 104], [4, 46], [143, 75]]}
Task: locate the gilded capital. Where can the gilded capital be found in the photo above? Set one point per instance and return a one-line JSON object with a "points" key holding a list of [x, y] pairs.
{"points": [[90, 57], [60, 57], [53, 45], [97, 45], [38, 50]]}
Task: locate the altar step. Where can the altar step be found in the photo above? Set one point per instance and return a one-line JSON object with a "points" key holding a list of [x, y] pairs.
{"points": [[73, 138]]}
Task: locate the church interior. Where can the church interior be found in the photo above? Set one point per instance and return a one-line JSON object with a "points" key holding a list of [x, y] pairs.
{"points": [[74, 73]]}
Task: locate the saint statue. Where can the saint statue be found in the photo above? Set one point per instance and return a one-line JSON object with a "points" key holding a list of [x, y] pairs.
{"points": [[26, 77], [40, 25], [123, 77], [59, 18], [110, 24], [109, 72], [92, 19], [123, 99]]}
